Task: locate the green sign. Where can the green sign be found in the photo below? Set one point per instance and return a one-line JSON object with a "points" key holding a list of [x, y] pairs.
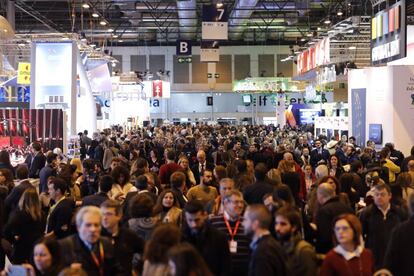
{"points": [[184, 59], [264, 85]]}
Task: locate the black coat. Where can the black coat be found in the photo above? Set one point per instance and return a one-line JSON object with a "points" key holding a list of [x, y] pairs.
{"points": [[35, 164], [324, 217], [377, 230], [75, 251], [268, 258], [94, 200], [60, 219], [22, 231], [213, 247], [12, 200], [196, 171], [315, 157], [126, 244], [399, 255], [253, 194], [44, 174]]}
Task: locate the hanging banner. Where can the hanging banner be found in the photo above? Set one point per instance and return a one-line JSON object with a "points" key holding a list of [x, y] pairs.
{"points": [[23, 73], [318, 55], [209, 51], [214, 25], [157, 89]]}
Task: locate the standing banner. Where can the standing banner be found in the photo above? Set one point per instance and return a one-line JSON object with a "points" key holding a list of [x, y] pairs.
{"points": [[214, 25], [359, 106]]}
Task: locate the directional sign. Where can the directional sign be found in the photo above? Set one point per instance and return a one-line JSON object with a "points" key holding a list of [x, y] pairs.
{"points": [[183, 48], [214, 25]]}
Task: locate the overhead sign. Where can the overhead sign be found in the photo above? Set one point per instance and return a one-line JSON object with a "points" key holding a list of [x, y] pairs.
{"points": [[209, 51], [318, 55], [388, 34], [183, 48], [23, 73], [214, 25]]}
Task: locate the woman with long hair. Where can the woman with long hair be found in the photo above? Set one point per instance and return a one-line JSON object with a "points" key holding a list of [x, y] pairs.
{"points": [[6, 179], [184, 260], [335, 166], [167, 208], [25, 226], [162, 239], [349, 257], [189, 175], [154, 161]]}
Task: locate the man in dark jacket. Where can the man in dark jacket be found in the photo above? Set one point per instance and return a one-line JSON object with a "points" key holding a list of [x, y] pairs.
{"points": [[94, 253], [404, 165], [47, 171], [318, 154], [36, 161], [378, 220], [267, 256], [330, 208], [59, 218], [399, 255], [105, 185], [201, 165], [254, 193], [210, 242]]}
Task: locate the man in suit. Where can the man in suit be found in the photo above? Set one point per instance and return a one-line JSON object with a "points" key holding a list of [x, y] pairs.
{"points": [[318, 154], [47, 171], [105, 185], [87, 248], [36, 161], [201, 165], [237, 152], [58, 222]]}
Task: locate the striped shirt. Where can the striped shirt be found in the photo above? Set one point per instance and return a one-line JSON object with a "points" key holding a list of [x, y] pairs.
{"points": [[239, 260]]}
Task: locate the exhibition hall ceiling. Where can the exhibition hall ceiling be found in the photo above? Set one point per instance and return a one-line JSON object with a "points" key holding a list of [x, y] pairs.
{"points": [[162, 22]]}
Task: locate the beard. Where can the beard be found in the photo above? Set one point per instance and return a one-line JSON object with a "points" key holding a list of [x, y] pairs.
{"points": [[283, 238], [208, 183]]}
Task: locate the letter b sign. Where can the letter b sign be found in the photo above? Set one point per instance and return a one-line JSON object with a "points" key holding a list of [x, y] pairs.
{"points": [[183, 48]]}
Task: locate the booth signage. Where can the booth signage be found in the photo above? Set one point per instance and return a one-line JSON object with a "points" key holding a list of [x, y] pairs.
{"points": [[260, 85], [315, 56], [157, 89], [389, 34], [23, 73]]}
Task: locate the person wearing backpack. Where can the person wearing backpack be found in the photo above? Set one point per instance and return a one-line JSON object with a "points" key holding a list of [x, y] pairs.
{"points": [[301, 256]]}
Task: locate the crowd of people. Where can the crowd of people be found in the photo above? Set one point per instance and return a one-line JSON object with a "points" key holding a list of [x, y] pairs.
{"points": [[199, 200]]}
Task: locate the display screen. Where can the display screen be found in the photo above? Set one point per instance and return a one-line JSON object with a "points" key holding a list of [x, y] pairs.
{"points": [[307, 116], [375, 133], [247, 99]]}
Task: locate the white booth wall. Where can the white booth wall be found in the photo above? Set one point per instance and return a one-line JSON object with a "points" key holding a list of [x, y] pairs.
{"points": [[388, 102]]}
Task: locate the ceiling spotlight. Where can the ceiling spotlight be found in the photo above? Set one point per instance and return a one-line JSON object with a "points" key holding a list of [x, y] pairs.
{"points": [[95, 15], [120, 40], [113, 64], [21, 44], [110, 30], [115, 36], [340, 13], [309, 34], [103, 23], [352, 48], [85, 6], [327, 21], [219, 5], [303, 39], [93, 45]]}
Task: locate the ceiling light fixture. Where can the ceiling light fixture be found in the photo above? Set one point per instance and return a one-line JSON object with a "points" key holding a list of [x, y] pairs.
{"points": [[95, 15], [352, 48], [110, 30], [303, 39], [85, 6], [103, 23], [340, 13], [327, 21], [21, 44], [219, 5], [120, 40], [115, 36], [309, 34]]}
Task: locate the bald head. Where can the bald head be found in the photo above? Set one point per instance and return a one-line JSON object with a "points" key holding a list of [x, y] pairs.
{"points": [[201, 156], [325, 192], [410, 166]]}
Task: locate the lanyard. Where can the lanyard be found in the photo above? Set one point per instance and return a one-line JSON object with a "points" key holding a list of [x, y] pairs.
{"points": [[232, 233], [99, 262], [51, 209]]}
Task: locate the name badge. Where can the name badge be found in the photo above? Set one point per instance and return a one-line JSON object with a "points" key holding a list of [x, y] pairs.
{"points": [[233, 246]]}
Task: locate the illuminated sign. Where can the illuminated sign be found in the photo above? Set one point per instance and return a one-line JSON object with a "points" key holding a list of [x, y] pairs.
{"points": [[260, 85], [315, 56], [388, 34]]}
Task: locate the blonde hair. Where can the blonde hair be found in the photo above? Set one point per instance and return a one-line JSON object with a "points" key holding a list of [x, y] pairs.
{"points": [[29, 202]]}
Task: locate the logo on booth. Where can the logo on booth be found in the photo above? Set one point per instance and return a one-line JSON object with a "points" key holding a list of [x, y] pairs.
{"points": [[157, 89]]}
